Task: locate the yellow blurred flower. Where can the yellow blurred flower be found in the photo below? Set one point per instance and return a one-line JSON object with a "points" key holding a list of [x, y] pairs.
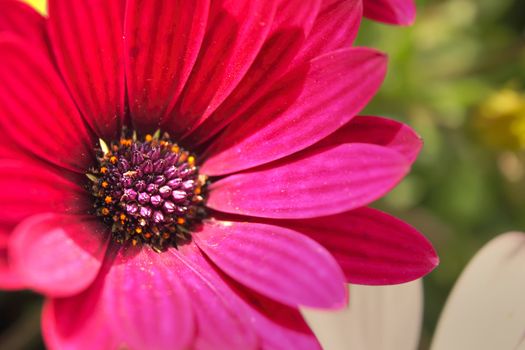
{"points": [[500, 120], [39, 5]]}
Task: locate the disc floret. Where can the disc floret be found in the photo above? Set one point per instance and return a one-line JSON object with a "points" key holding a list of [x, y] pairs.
{"points": [[148, 191]]}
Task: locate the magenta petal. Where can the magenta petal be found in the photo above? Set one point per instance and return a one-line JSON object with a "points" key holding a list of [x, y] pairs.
{"points": [[372, 247], [9, 279], [335, 28], [402, 12], [27, 189], [293, 21], [312, 183], [378, 131], [21, 19], [58, 255], [235, 33], [277, 262], [136, 302], [162, 39], [277, 326], [305, 107], [146, 301], [217, 311], [77, 323], [37, 114], [87, 40]]}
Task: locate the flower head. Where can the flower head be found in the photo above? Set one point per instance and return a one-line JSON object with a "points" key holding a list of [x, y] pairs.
{"points": [[186, 174]]}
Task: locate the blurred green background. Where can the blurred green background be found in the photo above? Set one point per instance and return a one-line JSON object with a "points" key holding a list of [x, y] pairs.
{"points": [[457, 76]]}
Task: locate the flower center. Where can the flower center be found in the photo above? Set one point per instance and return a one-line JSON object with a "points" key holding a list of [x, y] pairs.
{"points": [[148, 191]]}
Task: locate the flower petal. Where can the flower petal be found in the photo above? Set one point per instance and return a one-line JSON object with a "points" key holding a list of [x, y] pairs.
{"points": [[305, 107], [162, 40], [77, 323], [402, 12], [27, 189], [378, 131], [277, 326], [20, 18], [335, 28], [58, 255], [9, 279], [313, 183], [36, 113], [235, 33], [277, 262], [217, 311], [86, 37], [378, 318], [136, 302], [485, 309], [293, 21], [370, 246], [146, 302]]}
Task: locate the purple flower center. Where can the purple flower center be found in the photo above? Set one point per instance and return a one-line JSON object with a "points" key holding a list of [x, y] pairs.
{"points": [[148, 192]]}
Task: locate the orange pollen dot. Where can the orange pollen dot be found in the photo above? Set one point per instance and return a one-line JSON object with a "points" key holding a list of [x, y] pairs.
{"points": [[165, 235], [134, 242], [175, 149], [125, 142], [183, 157], [122, 217], [148, 138], [108, 199], [113, 159], [191, 160], [138, 230], [147, 235], [105, 184], [198, 190], [181, 221], [105, 211], [103, 170]]}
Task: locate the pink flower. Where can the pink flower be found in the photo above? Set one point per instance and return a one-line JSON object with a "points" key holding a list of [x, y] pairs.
{"points": [[401, 12], [133, 244]]}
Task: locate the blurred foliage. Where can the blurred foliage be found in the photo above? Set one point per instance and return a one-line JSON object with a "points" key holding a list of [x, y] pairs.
{"points": [[457, 77]]}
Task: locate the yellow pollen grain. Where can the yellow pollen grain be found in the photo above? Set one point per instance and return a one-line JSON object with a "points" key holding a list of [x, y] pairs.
{"points": [[113, 159], [103, 170], [138, 230], [175, 149], [148, 138], [108, 199], [105, 184], [181, 221], [191, 160], [105, 211], [122, 217]]}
